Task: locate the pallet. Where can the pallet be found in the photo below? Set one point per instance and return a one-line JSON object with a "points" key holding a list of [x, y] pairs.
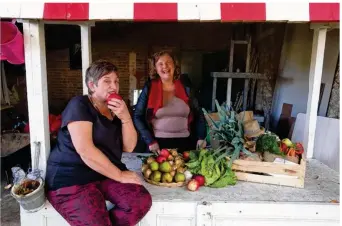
{"points": [[271, 173]]}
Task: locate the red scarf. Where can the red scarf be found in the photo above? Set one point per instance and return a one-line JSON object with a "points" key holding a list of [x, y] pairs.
{"points": [[155, 98]]}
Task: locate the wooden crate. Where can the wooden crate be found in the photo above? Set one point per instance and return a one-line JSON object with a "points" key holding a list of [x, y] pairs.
{"points": [[283, 174]]}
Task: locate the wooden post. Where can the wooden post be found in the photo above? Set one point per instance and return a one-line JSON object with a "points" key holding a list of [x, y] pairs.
{"points": [[214, 94], [86, 52], [316, 68], [230, 80], [246, 88], [37, 92]]}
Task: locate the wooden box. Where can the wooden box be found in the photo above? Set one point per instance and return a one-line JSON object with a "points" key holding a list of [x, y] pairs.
{"points": [[271, 173]]}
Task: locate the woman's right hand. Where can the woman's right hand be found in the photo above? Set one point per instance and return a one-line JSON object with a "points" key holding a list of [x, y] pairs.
{"points": [[130, 177], [154, 148]]}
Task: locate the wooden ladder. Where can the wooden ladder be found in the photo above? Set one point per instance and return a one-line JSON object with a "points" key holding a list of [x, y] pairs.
{"points": [[230, 75]]}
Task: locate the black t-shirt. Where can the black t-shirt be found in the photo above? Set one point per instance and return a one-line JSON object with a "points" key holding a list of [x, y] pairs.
{"points": [[65, 166]]}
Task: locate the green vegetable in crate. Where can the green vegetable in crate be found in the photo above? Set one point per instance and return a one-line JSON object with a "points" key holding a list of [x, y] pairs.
{"points": [[268, 142]]}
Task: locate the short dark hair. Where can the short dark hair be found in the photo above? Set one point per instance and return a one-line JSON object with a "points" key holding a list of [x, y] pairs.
{"points": [[97, 70]]}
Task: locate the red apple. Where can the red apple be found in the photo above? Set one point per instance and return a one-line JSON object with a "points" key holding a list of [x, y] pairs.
{"points": [[186, 155], [193, 185], [160, 159], [200, 179], [165, 153], [113, 96]]}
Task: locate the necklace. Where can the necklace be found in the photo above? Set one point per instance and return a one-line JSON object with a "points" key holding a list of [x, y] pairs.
{"points": [[97, 108]]}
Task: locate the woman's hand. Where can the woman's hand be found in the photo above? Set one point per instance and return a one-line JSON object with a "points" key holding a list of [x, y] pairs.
{"points": [[154, 147], [201, 144], [130, 177], [119, 108]]}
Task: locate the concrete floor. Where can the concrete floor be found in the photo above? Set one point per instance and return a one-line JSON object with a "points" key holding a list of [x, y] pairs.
{"points": [[10, 211]]}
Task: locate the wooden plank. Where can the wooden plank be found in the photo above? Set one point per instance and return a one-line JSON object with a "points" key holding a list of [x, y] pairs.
{"points": [[230, 69], [239, 164], [238, 75], [86, 52], [37, 91], [240, 42], [214, 94], [316, 68], [245, 94], [229, 92], [280, 174], [292, 182]]}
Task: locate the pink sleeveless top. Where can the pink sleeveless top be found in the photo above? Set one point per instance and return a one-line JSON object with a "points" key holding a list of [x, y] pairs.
{"points": [[171, 121]]}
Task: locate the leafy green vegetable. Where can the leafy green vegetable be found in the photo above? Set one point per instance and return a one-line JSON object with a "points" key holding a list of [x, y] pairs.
{"points": [[268, 142], [228, 178]]}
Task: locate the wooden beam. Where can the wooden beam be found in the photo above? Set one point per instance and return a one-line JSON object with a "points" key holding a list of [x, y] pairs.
{"points": [[331, 25], [214, 94], [230, 69], [86, 52], [37, 91], [316, 68], [238, 75], [245, 94]]}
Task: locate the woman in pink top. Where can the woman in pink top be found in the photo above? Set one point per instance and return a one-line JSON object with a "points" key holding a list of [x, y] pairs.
{"points": [[166, 115]]}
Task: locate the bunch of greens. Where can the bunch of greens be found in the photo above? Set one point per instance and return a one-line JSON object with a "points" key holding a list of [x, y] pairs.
{"points": [[268, 142], [213, 166], [229, 132]]}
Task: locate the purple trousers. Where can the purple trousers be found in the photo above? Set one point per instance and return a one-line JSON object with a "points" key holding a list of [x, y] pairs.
{"points": [[85, 204]]}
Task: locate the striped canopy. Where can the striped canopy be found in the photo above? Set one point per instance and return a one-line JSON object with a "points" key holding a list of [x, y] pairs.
{"points": [[138, 11]]}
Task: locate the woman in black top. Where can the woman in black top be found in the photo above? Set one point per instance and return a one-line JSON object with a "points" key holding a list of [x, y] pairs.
{"points": [[85, 169]]}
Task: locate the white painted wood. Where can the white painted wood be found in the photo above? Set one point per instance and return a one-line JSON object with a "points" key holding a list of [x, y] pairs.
{"points": [[188, 11], [31, 10], [209, 11], [214, 214], [264, 214], [104, 10], [315, 76], [10, 9], [86, 53], [37, 90], [327, 139], [287, 11]]}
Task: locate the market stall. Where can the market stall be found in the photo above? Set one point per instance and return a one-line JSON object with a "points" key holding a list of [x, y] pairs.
{"points": [[244, 203]]}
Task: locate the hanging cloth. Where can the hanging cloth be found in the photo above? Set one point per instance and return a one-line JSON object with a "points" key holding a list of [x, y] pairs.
{"points": [[11, 43]]}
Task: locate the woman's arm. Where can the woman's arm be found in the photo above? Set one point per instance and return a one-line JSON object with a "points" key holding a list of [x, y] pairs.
{"points": [[139, 116], [129, 135], [81, 136]]}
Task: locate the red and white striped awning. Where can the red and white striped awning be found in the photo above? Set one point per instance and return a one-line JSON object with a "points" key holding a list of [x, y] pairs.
{"points": [[138, 11]]}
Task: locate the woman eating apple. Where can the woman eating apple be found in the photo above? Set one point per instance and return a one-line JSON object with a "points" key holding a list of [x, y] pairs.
{"points": [[166, 115], [85, 169]]}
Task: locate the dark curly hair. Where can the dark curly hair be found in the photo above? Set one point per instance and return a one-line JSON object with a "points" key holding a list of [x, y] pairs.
{"points": [[154, 60]]}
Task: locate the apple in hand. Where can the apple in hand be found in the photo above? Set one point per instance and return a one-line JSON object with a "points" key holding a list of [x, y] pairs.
{"points": [[113, 96]]}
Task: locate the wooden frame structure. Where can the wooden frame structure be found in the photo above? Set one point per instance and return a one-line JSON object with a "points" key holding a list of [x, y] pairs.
{"points": [[35, 15]]}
